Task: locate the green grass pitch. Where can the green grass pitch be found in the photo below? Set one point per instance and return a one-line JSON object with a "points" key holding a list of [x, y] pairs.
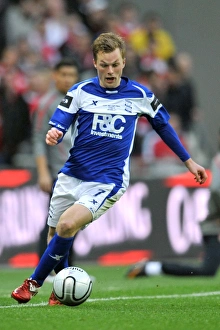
{"points": [[116, 303]]}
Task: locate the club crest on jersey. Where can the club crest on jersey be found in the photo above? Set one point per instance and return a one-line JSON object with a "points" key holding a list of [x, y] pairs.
{"points": [[66, 101], [128, 105]]}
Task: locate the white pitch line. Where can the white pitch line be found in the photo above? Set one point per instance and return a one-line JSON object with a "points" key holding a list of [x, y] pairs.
{"points": [[201, 294]]}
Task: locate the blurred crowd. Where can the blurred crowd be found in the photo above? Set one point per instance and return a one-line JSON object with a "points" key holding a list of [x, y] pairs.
{"points": [[36, 34]]}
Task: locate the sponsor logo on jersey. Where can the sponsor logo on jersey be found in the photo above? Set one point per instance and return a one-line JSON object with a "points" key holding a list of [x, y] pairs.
{"points": [[66, 101], [108, 125]]}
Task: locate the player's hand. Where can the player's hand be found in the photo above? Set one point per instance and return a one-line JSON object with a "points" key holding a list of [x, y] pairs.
{"points": [[199, 172], [53, 135]]}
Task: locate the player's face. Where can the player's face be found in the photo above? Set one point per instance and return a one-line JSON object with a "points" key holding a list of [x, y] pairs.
{"points": [[109, 68], [65, 77]]}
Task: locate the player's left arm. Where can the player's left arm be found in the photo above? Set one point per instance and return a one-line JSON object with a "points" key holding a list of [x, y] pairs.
{"points": [[159, 119], [197, 170], [170, 137]]}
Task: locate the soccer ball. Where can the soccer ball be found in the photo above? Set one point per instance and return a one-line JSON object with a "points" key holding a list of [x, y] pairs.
{"points": [[72, 286]]}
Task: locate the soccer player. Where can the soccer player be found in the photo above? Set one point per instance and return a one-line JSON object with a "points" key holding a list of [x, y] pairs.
{"points": [[102, 113]]}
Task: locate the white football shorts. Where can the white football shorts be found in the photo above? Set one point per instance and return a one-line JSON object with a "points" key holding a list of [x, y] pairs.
{"points": [[96, 196]]}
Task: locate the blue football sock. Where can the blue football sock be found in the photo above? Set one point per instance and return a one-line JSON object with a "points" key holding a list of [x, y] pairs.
{"points": [[63, 263], [57, 249]]}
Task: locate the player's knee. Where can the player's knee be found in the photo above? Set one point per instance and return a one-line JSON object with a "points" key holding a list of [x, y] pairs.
{"points": [[66, 228]]}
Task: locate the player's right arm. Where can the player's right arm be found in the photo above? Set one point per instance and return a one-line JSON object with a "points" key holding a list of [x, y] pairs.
{"points": [[61, 119], [53, 136]]}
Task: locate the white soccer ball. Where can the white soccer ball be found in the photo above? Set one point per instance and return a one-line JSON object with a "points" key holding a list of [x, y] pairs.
{"points": [[72, 286]]}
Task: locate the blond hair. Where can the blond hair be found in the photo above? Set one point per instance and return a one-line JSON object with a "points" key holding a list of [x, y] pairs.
{"points": [[107, 43]]}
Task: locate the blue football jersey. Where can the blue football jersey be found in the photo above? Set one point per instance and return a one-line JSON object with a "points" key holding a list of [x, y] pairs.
{"points": [[103, 123]]}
